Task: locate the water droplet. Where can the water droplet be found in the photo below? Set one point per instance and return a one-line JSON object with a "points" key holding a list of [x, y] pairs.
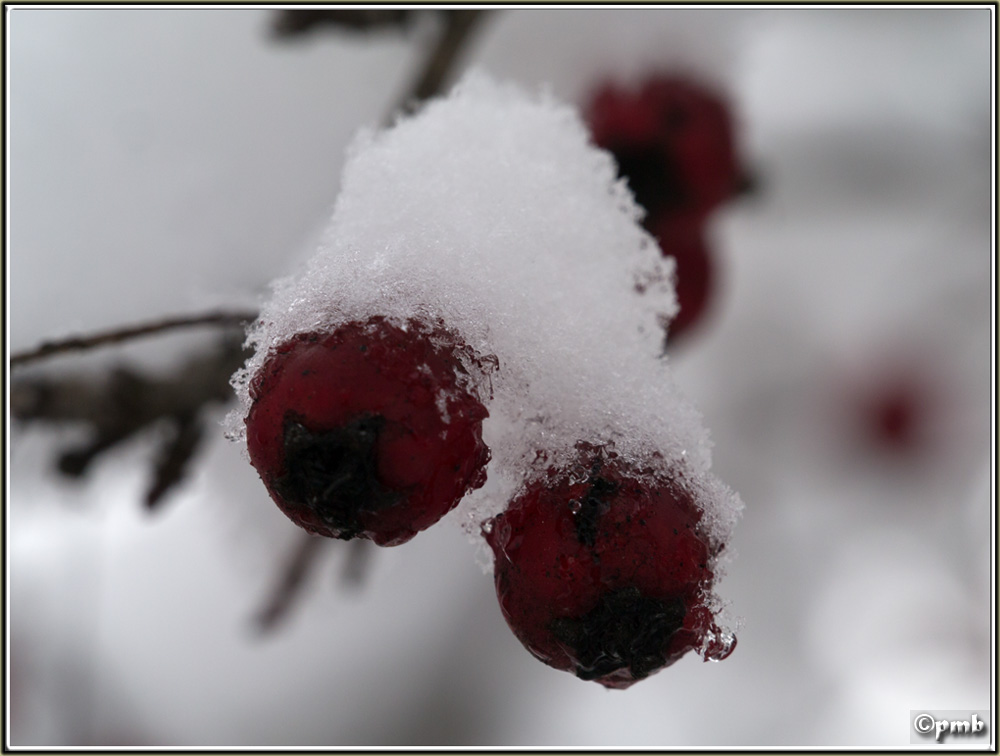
{"points": [[487, 527], [575, 506], [718, 645]]}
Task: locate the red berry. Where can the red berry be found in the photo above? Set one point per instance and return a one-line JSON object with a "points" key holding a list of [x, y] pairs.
{"points": [[681, 237], [902, 409], [672, 140], [371, 431], [895, 418], [605, 572]]}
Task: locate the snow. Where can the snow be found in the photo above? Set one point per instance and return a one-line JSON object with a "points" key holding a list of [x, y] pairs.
{"points": [[171, 160], [491, 211]]}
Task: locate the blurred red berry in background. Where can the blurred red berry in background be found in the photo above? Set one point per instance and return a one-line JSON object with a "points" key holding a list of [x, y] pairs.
{"points": [[682, 237], [673, 141]]}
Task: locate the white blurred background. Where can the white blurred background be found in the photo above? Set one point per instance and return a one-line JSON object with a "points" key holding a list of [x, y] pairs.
{"points": [[165, 161]]}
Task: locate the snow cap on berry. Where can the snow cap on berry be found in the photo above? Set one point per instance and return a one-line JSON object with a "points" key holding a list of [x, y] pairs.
{"points": [[490, 211]]}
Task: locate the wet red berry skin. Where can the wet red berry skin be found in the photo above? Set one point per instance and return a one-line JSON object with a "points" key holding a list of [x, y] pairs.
{"points": [[604, 577], [370, 431], [673, 141]]}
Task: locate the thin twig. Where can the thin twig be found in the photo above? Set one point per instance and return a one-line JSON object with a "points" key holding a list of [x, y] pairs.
{"points": [[356, 565], [439, 63], [296, 22], [175, 454], [122, 403], [291, 582], [118, 335]]}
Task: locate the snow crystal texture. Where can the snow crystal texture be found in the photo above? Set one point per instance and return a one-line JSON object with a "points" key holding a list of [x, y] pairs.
{"points": [[491, 210]]}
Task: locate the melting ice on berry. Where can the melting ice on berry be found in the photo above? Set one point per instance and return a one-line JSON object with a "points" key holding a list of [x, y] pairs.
{"points": [[491, 211]]}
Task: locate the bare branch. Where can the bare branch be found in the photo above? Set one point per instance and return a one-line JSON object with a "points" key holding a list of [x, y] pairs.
{"points": [[174, 457], [356, 566], [126, 333], [117, 406], [440, 61], [291, 582], [295, 22]]}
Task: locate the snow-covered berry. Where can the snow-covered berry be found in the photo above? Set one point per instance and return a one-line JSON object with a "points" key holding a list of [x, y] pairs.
{"points": [[373, 430], [603, 570]]}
